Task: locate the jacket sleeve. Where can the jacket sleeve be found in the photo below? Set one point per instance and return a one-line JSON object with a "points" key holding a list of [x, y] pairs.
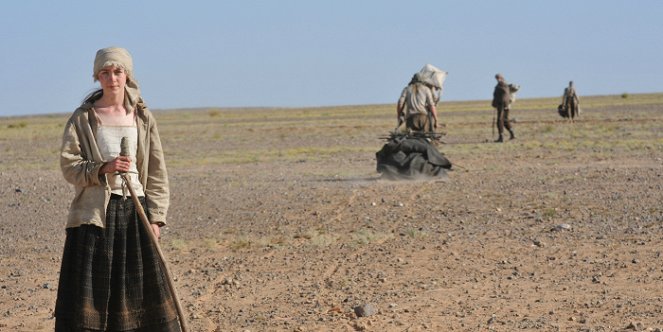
{"points": [[76, 168], [401, 99], [157, 192], [430, 99]]}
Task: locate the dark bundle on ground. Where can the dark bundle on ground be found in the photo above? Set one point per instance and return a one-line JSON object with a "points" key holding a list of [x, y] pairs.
{"points": [[563, 112], [411, 156]]}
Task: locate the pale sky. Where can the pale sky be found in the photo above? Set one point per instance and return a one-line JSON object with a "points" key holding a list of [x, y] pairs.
{"points": [[297, 53]]}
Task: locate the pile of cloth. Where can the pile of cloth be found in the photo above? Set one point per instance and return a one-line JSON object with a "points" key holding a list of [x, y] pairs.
{"points": [[562, 111], [411, 156]]}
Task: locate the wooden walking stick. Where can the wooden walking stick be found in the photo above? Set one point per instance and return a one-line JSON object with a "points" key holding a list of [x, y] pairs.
{"points": [[124, 151], [494, 124]]}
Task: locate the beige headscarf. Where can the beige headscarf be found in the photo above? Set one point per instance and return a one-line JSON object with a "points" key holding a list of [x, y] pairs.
{"points": [[119, 57]]}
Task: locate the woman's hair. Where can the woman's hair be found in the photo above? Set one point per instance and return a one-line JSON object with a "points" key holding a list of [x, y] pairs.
{"points": [[93, 96]]}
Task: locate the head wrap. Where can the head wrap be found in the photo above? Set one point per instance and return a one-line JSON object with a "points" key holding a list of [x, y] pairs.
{"points": [[117, 56]]}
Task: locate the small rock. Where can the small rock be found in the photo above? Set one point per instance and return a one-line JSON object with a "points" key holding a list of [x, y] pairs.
{"points": [[562, 227], [634, 326], [365, 310]]}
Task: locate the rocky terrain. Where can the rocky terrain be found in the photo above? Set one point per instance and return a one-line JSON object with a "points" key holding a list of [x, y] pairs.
{"points": [[279, 221]]}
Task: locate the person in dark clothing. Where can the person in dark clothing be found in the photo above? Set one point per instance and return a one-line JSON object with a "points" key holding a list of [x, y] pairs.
{"points": [[570, 101], [501, 100]]}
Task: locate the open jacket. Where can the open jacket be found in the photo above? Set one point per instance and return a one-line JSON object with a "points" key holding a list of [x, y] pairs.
{"points": [[80, 161]]}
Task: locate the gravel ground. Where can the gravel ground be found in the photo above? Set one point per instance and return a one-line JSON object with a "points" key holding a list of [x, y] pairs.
{"points": [[558, 230]]}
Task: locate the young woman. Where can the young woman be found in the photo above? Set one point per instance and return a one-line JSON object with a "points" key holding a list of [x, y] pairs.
{"points": [[111, 278]]}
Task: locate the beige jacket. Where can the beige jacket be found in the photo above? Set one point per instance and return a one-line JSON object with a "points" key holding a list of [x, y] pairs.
{"points": [[80, 161], [416, 98]]}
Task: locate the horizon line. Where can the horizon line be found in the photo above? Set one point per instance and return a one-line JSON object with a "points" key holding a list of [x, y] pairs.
{"points": [[235, 108]]}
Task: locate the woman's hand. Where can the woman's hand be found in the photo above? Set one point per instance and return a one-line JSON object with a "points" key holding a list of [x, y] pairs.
{"points": [[119, 164], [156, 230]]}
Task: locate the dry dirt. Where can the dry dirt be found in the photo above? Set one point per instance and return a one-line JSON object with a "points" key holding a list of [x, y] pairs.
{"points": [[279, 221]]}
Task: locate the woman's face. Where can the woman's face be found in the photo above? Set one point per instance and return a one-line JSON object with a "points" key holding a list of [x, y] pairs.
{"points": [[112, 79]]}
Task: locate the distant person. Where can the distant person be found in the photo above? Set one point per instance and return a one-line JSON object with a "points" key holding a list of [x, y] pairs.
{"points": [[111, 277], [416, 103], [570, 101], [501, 101]]}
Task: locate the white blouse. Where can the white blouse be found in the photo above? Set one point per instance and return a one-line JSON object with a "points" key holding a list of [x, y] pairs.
{"points": [[109, 139]]}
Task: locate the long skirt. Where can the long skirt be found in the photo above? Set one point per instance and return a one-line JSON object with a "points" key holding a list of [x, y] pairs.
{"points": [[112, 279]]}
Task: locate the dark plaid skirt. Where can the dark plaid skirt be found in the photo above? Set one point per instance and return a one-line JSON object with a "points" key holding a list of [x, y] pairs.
{"points": [[111, 278]]}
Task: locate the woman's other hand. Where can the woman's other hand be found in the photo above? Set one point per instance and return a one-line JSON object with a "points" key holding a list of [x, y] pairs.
{"points": [[156, 230], [119, 164]]}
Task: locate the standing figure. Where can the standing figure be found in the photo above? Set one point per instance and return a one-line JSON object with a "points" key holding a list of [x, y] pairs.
{"points": [[415, 103], [111, 278], [570, 101], [501, 101]]}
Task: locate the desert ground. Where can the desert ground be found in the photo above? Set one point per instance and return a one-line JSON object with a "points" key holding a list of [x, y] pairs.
{"points": [[279, 221]]}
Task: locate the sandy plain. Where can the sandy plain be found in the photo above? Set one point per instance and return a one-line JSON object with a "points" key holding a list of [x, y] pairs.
{"points": [[279, 221]]}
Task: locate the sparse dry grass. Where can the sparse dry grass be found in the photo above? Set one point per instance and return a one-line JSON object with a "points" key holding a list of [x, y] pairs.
{"points": [[331, 132], [367, 236]]}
